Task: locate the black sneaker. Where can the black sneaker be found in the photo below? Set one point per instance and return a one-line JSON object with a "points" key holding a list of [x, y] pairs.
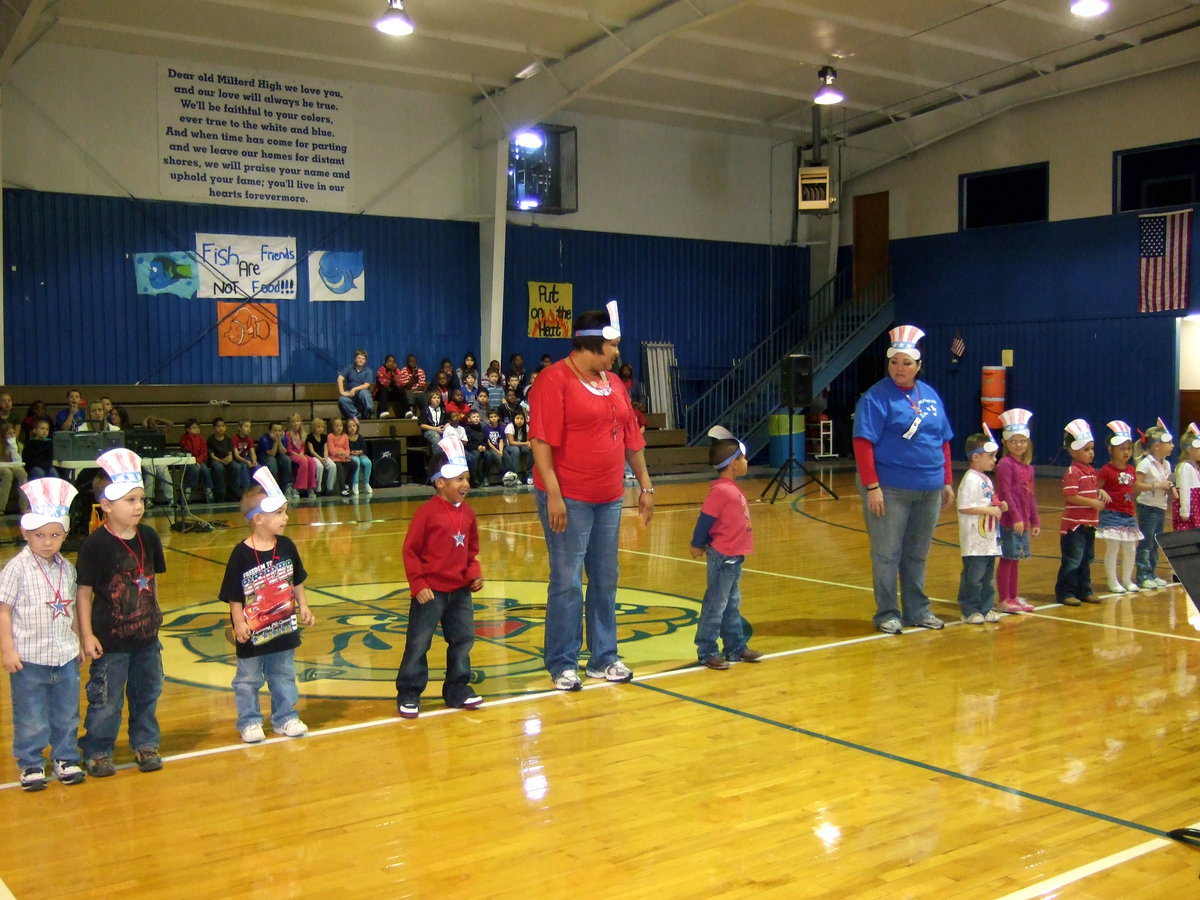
{"points": [[470, 701], [33, 779], [408, 709]]}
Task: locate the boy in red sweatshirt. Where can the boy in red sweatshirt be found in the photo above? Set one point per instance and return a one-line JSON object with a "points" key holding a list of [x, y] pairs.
{"points": [[441, 561]]}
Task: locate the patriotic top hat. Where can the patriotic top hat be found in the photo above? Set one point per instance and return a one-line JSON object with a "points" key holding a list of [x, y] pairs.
{"points": [[49, 501], [124, 467], [904, 340], [1015, 421], [1080, 432]]}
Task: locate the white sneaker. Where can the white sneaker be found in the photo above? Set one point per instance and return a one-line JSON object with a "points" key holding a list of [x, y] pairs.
{"points": [[1149, 584], [615, 671], [529, 479], [385, 415], [368, 489], [568, 681], [354, 490], [253, 733], [992, 616], [292, 728], [1115, 588], [974, 619], [68, 771], [1131, 588], [1161, 582]]}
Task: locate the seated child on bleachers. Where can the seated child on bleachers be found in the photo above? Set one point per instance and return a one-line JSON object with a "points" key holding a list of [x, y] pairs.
{"points": [[337, 447], [517, 448], [273, 454], [361, 455], [39, 452], [243, 446], [230, 477], [493, 450], [193, 442], [317, 446]]}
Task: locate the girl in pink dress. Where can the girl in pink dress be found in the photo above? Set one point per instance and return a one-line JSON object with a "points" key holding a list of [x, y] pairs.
{"points": [[1014, 485], [304, 465]]}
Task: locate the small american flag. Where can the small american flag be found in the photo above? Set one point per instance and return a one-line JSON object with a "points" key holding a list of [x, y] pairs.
{"points": [[958, 346], [1164, 245]]}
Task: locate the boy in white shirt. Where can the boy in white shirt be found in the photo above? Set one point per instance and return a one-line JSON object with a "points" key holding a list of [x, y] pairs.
{"points": [[979, 513]]}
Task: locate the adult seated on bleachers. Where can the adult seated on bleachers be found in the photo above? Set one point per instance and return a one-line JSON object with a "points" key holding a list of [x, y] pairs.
{"points": [[95, 420], [412, 379], [388, 389], [354, 389], [8, 415]]}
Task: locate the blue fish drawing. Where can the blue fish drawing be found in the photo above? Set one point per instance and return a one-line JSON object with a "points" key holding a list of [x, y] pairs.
{"points": [[339, 269]]}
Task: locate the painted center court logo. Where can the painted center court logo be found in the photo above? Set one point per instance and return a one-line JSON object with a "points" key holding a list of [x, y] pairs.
{"points": [[355, 648]]}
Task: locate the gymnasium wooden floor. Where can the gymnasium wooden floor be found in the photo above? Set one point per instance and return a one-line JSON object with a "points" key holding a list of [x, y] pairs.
{"points": [[1045, 755]]}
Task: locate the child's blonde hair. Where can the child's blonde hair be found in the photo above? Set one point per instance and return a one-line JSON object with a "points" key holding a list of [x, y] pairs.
{"points": [[1150, 437], [1026, 457]]}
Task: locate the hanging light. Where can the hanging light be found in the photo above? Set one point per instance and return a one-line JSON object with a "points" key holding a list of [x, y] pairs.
{"points": [[827, 94], [1086, 9], [395, 21]]}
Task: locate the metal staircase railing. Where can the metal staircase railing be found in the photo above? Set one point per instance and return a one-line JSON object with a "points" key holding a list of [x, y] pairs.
{"points": [[744, 400]]}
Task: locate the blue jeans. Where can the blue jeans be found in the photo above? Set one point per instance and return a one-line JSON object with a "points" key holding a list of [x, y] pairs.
{"points": [[45, 710], [721, 612], [1150, 521], [900, 540], [112, 677], [977, 585], [200, 472], [455, 610], [518, 459], [589, 543], [1078, 547], [280, 468], [360, 406], [230, 480], [278, 670]]}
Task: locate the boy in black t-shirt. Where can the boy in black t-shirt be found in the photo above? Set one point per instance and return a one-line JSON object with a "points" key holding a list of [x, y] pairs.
{"points": [[119, 616], [230, 477], [264, 587]]}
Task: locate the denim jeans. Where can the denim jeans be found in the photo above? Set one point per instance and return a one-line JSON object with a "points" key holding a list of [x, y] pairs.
{"points": [[230, 480], [1078, 547], [278, 671], [721, 612], [518, 459], [114, 676], [588, 543], [360, 406], [455, 610], [976, 585], [45, 711], [199, 472], [280, 468], [900, 540], [1150, 521]]}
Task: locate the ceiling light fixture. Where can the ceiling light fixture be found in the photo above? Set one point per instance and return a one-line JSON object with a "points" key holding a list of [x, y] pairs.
{"points": [[395, 22], [1086, 9], [827, 95]]}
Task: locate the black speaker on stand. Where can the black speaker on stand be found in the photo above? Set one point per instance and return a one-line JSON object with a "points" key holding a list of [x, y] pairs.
{"points": [[386, 461], [795, 392]]}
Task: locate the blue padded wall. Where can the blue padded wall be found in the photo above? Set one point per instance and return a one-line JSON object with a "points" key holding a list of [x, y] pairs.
{"points": [[1063, 296], [72, 313]]}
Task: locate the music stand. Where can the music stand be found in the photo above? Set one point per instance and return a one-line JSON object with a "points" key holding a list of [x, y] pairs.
{"points": [[782, 479], [1182, 549]]}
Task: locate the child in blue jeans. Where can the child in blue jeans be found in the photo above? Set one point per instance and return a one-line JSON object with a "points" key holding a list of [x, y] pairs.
{"points": [[723, 529]]}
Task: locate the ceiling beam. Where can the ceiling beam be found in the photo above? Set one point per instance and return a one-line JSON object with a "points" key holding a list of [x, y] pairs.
{"points": [[20, 37]]}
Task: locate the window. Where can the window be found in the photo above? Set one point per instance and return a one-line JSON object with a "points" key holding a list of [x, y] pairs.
{"points": [[542, 170], [1153, 177], [1004, 196]]}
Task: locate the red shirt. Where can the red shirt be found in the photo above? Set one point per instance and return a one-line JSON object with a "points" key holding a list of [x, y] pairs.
{"points": [[441, 549], [731, 534], [1079, 480], [1119, 484], [588, 433], [194, 444]]}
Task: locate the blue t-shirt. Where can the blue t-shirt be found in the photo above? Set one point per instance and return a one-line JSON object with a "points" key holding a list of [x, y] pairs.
{"points": [[352, 377], [884, 414], [495, 436]]}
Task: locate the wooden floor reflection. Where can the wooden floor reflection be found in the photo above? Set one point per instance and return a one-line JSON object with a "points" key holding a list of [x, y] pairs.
{"points": [[1045, 755]]}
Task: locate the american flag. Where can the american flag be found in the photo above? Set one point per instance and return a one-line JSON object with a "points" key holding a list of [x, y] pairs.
{"points": [[1164, 245], [958, 346]]}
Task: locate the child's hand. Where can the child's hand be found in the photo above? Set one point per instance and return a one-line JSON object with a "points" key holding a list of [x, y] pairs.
{"points": [[476, 585], [696, 552], [1036, 531], [12, 661], [1105, 497], [92, 648], [306, 616], [424, 595], [241, 632], [1003, 506], [1019, 527], [994, 512]]}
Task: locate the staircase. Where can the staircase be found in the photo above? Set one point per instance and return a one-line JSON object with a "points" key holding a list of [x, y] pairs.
{"points": [[845, 325]]}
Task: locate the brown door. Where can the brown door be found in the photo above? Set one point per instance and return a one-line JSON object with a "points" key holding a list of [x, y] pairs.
{"points": [[870, 237]]}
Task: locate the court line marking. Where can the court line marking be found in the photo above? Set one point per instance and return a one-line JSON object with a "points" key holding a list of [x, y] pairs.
{"points": [[1079, 873], [894, 757]]}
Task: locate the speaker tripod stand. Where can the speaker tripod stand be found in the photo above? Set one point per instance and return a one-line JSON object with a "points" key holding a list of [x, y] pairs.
{"points": [[782, 480]]}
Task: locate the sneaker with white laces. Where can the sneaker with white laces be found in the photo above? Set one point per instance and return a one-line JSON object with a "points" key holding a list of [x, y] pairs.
{"points": [[568, 680], [974, 619], [929, 620], [292, 728], [253, 733], [33, 779], [992, 616], [616, 671], [890, 626], [68, 771]]}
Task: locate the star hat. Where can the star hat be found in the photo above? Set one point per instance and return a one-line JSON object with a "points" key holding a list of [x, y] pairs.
{"points": [[124, 467], [49, 501]]}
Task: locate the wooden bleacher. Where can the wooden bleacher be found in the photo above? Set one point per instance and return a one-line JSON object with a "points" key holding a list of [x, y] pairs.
{"points": [[666, 449]]}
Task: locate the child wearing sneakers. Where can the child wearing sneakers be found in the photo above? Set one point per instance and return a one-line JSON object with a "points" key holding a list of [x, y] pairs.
{"points": [[979, 512], [1154, 491], [1014, 485], [264, 587], [361, 457], [119, 616], [723, 532], [441, 561], [1083, 501], [1117, 526], [39, 639]]}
